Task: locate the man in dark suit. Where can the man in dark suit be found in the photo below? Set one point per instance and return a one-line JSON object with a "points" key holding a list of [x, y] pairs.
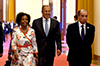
{"points": [[80, 36], [46, 36], [1, 40], [55, 17]]}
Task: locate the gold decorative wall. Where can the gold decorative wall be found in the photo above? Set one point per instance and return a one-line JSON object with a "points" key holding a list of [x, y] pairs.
{"points": [[89, 6], [11, 11]]}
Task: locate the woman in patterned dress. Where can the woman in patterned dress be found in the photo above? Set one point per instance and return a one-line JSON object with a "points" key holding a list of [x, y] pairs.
{"points": [[23, 42]]}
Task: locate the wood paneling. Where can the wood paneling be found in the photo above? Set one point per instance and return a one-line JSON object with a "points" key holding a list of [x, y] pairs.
{"points": [[1, 10], [76, 6], [61, 19]]}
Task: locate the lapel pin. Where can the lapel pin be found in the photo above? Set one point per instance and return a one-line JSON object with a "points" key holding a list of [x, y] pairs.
{"points": [[87, 27]]}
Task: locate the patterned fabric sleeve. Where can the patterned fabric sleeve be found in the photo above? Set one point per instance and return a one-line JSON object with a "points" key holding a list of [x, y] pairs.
{"points": [[34, 43], [14, 42]]}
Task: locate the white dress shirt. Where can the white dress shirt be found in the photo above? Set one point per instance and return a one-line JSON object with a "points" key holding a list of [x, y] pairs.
{"points": [[11, 25], [3, 25], [47, 23], [80, 28]]}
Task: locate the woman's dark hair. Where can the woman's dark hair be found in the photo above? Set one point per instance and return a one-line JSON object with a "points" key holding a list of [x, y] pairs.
{"points": [[76, 17], [20, 15]]}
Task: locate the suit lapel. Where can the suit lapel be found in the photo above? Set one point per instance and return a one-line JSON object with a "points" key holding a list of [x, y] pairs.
{"points": [[77, 31], [51, 26], [87, 29], [41, 24]]}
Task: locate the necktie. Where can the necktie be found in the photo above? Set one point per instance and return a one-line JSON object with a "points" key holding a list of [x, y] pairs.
{"points": [[82, 32], [46, 27]]}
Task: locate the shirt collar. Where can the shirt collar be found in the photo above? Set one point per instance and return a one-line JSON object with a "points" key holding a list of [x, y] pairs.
{"points": [[81, 24], [45, 19]]}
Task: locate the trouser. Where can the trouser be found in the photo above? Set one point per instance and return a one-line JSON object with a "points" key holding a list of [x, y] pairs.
{"points": [[46, 61]]}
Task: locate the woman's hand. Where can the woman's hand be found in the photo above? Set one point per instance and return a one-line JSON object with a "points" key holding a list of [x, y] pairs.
{"points": [[16, 55], [36, 59], [10, 57], [1, 54]]}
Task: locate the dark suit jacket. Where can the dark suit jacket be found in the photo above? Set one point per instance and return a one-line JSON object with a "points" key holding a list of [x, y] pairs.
{"points": [[80, 50], [47, 44], [1, 38]]}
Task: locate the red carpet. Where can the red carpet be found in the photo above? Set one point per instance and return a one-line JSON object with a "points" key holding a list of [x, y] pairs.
{"points": [[61, 61], [5, 53]]}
